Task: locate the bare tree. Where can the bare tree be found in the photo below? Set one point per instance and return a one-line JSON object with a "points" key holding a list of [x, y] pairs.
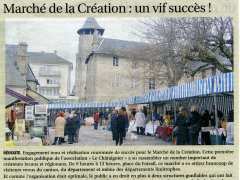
{"points": [[174, 43], [208, 40], [161, 54]]}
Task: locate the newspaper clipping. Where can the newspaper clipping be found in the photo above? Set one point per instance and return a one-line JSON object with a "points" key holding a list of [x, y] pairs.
{"points": [[119, 89]]}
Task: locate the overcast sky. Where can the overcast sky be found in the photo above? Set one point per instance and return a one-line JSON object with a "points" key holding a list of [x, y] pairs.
{"points": [[61, 34]]}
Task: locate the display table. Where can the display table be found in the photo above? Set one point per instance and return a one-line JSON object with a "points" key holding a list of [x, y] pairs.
{"points": [[151, 127], [217, 135], [164, 132]]}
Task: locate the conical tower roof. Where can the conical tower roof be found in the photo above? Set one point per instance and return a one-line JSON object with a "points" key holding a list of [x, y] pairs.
{"points": [[91, 24]]}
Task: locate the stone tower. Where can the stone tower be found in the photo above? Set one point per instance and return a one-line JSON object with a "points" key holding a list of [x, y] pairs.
{"points": [[22, 59], [89, 38]]}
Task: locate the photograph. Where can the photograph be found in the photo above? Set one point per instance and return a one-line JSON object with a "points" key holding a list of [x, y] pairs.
{"points": [[110, 81]]}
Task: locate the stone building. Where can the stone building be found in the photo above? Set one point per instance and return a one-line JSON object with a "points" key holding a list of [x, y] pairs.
{"points": [[105, 69], [52, 72], [21, 83]]}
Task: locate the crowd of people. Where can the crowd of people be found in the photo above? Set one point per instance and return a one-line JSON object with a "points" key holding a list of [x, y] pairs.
{"points": [[67, 124], [189, 125]]}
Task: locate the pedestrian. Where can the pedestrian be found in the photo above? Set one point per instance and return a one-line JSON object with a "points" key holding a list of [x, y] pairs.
{"points": [[126, 121], [205, 122], [71, 127], [100, 118], [120, 127], [213, 117], [194, 126], [78, 125], [230, 127], [96, 118], [140, 122], [105, 115], [114, 117], [181, 129], [59, 128]]}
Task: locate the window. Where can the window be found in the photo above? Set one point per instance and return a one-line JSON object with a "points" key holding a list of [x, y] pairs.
{"points": [[151, 83], [49, 91], [116, 80], [52, 81], [115, 61]]}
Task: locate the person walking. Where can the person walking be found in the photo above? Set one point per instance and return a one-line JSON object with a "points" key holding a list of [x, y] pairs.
{"points": [[71, 127], [194, 126], [205, 122], [114, 117], [96, 118], [78, 125], [125, 114], [59, 128], [181, 127], [120, 127], [140, 122]]}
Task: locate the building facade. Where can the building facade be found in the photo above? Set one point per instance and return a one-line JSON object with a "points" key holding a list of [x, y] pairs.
{"points": [[105, 69], [53, 74], [19, 75]]}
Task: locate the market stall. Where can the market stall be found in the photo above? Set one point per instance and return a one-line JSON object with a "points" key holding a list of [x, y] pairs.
{"points": [[214, 93]]}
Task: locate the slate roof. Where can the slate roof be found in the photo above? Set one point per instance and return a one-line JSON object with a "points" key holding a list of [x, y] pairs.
{"points": [[46, 58], [13, 76], [91, 23], [30, 75], [117, 47], [10, 100], [195, 65]]}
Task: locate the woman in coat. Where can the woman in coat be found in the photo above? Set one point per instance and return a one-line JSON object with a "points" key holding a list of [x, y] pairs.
{"points": [[140, 122], [181, 125], [59, 128]]}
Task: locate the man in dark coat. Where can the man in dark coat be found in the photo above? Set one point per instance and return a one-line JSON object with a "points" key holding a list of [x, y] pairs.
{"points": [[181, 125], [120, 127], [205, 122], [194, 123], [78, 125], [71, 127], [114, 117]]}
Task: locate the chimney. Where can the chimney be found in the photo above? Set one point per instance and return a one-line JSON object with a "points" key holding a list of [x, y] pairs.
{"points": [[22, 58]]}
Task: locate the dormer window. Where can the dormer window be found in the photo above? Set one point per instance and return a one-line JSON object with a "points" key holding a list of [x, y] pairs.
{"points": [[115, 61]]}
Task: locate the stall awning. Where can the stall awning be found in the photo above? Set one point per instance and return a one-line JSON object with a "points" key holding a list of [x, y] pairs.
{"points": [[220, 83], [27, 99]]}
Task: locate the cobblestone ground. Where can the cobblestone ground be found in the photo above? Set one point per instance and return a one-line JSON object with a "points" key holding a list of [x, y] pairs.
{"points": [[88, 136]]}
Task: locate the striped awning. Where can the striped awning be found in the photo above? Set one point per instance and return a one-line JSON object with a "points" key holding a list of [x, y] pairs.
{"points": [[220, 83]]}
